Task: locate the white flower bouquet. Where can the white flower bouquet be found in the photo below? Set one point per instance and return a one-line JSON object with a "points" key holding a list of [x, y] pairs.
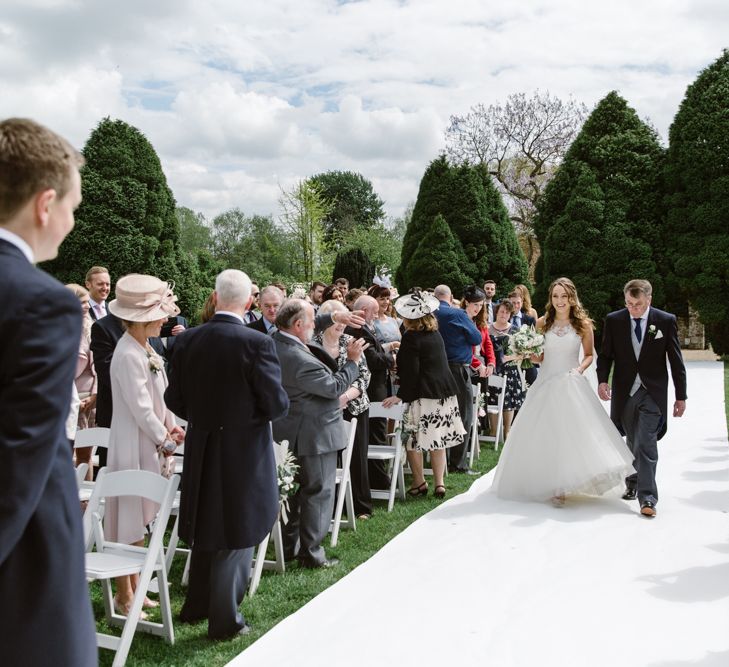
{"points": [[526, 341], [287, 484]]}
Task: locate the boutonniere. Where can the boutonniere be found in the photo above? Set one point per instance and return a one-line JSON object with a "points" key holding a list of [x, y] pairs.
{"points": [[155, 362], [655, 333]]}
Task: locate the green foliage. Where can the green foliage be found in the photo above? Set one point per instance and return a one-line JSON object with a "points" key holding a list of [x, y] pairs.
{"points": [[127, 220], [353, 204], [438, 259], [475, 215], [354, 265], [697, 199], [599, 221], [195, 233]]}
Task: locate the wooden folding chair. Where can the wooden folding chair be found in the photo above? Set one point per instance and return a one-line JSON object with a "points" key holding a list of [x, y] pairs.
{"points": [[498, 382], [391, 452], [113, 559], [344, 491]]}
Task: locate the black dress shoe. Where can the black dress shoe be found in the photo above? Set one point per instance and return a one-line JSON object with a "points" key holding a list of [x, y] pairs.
{"points": [[465, 471], [647, 508], [317, 565], [630, 494], [245, 630]]}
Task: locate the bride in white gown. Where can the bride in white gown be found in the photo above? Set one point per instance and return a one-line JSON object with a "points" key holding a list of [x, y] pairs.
{"points": [[563, 442]]}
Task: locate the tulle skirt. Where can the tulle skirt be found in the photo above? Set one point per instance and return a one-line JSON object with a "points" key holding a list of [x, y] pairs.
{"points": [[562, 442]]}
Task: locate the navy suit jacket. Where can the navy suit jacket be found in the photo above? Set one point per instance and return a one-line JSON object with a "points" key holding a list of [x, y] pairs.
{"points": [[225, 380], [258, 325], [45, 615], [617, 349]]}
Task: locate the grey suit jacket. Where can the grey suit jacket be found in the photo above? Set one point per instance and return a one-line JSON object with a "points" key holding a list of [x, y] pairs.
{"points": [[314, 422]]}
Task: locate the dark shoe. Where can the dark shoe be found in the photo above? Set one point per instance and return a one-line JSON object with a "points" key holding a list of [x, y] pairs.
{"points": [[647, 508], [440, 491], [466, 471], [630, 494], [245, 630], [188, 618], [323, 565], [416, 491]]}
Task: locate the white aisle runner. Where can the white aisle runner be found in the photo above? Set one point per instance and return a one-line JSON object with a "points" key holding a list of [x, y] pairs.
{"points": [[481, 581]]}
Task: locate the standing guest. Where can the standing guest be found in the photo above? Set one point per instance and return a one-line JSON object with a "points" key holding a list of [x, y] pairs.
{"points": [[387, 328], [316, 292], [251, 315], [332, 292], [352, 296], [45, 617], [518, 318], [505, 367], [343, 285], [490, 303], [433, 421], [641, 342], [313, 428], [526, 302], [459, 336], [380, 360], [473, 303], [230, 490], [271, 300], [208, 309], [143, 431], [98, 283], [282, 287], [85, 379], [354, 403]]}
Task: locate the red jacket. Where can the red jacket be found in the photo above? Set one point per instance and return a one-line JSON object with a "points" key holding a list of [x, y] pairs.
{"points": [[486, 351]]}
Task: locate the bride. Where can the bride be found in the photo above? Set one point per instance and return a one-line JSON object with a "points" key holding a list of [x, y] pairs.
{"points": [[562, 443]]}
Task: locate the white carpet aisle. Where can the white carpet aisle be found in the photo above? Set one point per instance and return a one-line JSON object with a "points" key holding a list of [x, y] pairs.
{"points": [[481, 581]]}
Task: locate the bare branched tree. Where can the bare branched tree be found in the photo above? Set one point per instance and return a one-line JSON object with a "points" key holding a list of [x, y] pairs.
{"points": [[521, 142]]}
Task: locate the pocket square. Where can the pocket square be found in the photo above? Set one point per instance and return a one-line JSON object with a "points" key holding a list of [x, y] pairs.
{"points": [[659, 334]]}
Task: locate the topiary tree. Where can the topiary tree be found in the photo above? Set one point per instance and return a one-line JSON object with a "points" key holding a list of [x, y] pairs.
{"points": [[697, 199], [599, 221], [126, 220], [354, 265], [438, 259]]}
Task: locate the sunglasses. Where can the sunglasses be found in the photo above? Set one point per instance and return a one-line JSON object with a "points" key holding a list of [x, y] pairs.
{"points": [[256, 295]]}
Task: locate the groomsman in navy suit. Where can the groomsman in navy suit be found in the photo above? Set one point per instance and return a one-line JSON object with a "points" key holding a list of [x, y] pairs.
{"points": [[637, 341], [45, 610]]}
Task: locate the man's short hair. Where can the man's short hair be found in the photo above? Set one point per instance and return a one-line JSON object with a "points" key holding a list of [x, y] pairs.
{"points": [[442, 292], [32, 159], [94, 270], [316, 284], [489, 282], [233, 288], [290, 313], [271, 289], [516, 294], [637, 287], [342, 281], [364, 301]]}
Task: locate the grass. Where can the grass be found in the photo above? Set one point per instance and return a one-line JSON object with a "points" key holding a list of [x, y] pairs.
{"points": [[280, 595]]}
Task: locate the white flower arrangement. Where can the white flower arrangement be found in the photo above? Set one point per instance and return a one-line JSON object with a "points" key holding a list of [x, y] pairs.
{"points": [[287, 484], [155, 362], [524, 342]]}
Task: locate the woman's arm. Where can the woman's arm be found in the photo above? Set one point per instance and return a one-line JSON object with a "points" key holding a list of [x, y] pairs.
{"points": [[588, 349]]}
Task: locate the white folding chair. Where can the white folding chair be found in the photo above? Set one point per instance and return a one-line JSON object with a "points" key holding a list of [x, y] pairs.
{"points": [[259, 562], [498, 382], [473, 446], [81, 470], [91, 437], [113, 559], [391, 452], [344, 492]]}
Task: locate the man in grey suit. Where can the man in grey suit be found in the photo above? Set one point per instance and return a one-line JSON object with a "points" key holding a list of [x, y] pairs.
{"points": [[313, 427]]}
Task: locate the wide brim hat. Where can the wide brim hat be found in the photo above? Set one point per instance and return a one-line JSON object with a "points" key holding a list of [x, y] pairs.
{"points": [[416, 305], [141, 298]]}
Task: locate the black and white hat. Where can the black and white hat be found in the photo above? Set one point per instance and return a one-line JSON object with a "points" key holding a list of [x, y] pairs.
{"points": [[416, 305]]}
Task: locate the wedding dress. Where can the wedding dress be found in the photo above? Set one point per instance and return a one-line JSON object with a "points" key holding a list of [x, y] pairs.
{"points": [[562, 441]]}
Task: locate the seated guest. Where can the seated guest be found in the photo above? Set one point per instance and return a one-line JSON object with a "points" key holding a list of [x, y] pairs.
{"points": [[505, 367], [432, 421], [271, 300], [355, 403], [343, 285], [313, 428], [85, 379], [332, 292], [143, 431]]}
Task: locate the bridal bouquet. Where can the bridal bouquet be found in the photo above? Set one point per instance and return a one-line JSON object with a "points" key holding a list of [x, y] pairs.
{"points": [[525, 342], [287, 486]]}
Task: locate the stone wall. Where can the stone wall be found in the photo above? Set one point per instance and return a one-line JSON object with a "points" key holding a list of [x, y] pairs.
{"points": [[691, 331]]}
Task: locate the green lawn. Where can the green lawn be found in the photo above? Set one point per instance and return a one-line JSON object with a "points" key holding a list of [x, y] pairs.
{"points": [[279, 595]]}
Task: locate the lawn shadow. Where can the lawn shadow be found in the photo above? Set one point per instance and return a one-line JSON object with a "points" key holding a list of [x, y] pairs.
{"points": [[711, 659], [694, 584], [720, 475]]}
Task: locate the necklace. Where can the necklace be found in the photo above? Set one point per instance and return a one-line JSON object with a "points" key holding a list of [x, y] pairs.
{"points": [[561, 329]]}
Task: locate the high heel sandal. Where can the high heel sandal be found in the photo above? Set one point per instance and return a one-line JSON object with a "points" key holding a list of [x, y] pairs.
{"points": [[416, 491], [440, 491]]}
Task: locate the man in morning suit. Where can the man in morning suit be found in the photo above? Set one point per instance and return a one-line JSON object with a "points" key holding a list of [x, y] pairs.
{"points": [[225, 380], [313, 427], [638, 340], [517, 319], [45, 615], [98, 283]]}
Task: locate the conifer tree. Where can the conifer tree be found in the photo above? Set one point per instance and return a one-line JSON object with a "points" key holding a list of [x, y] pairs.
{"points": [[697, 199]]}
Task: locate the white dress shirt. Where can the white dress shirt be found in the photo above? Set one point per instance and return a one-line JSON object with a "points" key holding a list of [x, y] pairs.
{"points": [[19, 243]]}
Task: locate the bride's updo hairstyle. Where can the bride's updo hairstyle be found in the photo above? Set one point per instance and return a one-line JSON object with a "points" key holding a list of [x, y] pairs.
{"points": [[579, 319]]}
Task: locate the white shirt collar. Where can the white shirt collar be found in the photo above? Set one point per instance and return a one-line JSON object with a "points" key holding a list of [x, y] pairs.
{"points": [[227, 312], [19, 243], [644, 316], [292, 337]]}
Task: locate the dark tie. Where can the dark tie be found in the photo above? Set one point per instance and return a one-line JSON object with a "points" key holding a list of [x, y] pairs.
{"points": [[638, 332]]}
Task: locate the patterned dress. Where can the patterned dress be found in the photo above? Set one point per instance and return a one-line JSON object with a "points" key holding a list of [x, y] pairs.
{"points": [[515, 395]]}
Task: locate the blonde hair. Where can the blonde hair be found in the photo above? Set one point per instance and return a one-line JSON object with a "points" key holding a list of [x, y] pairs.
{"points": [[32, 159], [82, 292], [424, 323], [331, 305], [526, 298], [579, 319]]}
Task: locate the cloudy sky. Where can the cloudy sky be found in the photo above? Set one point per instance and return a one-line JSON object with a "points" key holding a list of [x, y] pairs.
{"points": [[239, 96]]}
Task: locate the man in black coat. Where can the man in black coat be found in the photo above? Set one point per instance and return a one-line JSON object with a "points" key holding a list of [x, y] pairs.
{"points": [[225, 380], [517, 319], [638, 340], [45, 613]]}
